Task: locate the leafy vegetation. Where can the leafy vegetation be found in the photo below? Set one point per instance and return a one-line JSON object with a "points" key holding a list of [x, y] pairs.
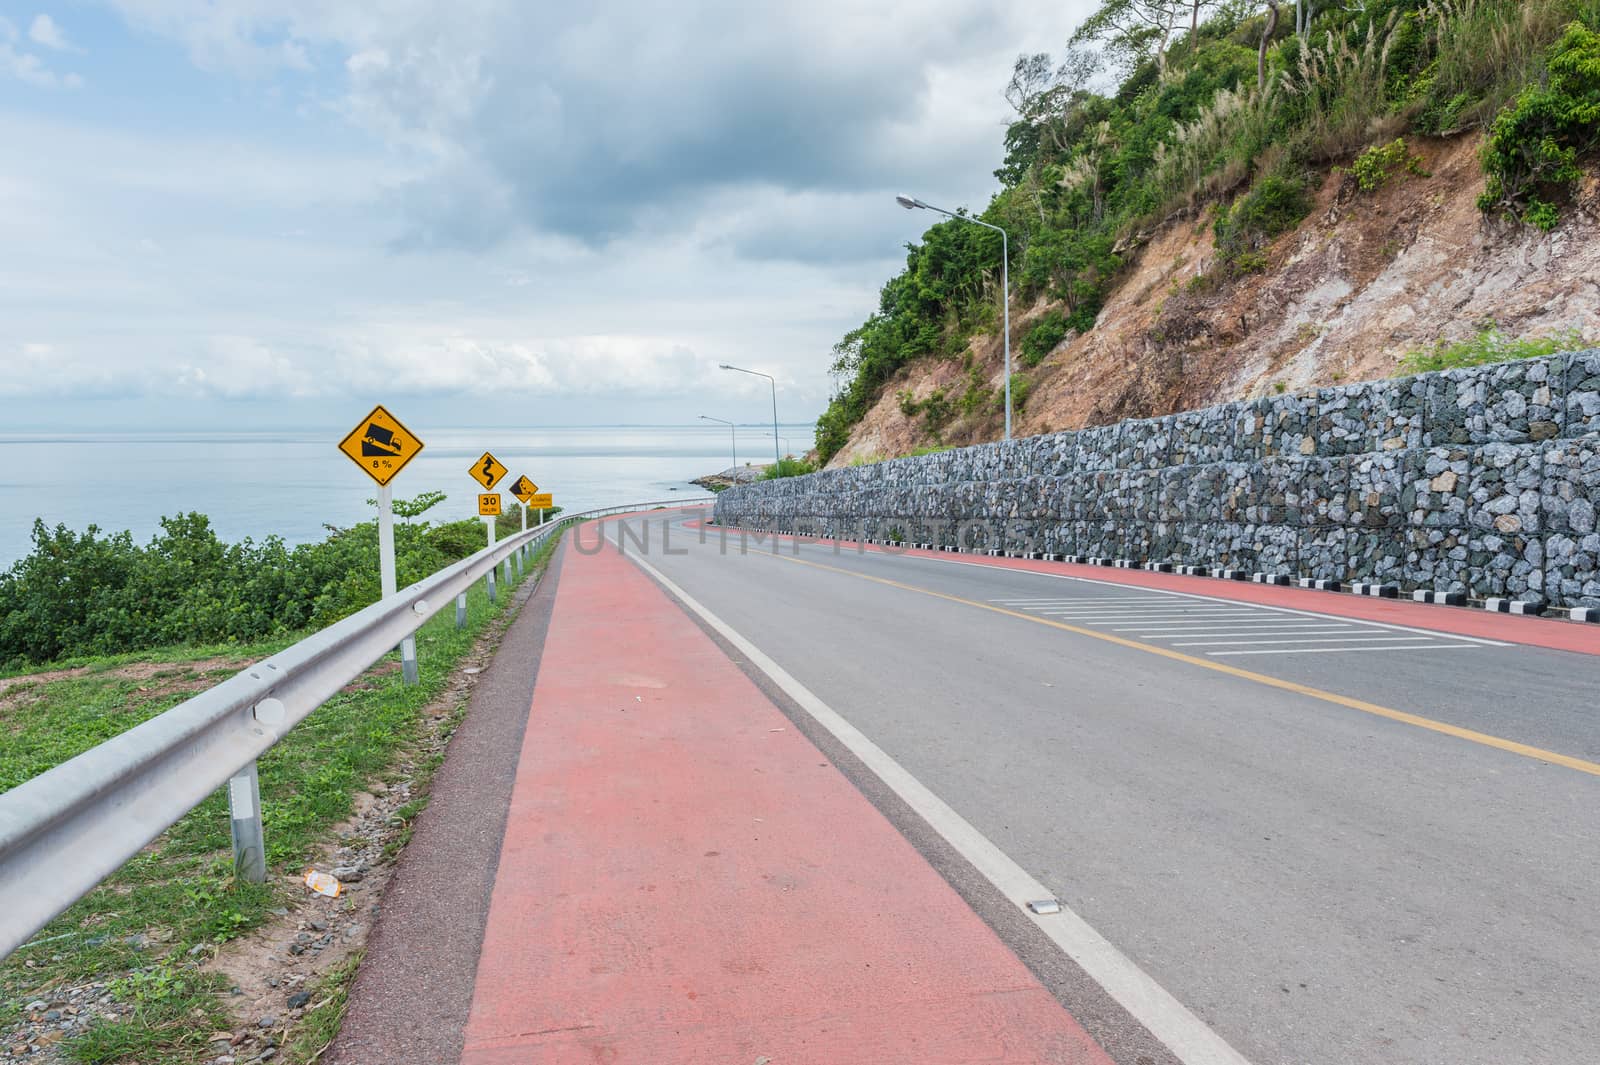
{"points": [[1231, 105], [788, 466], [1274, 206], [137, 929], [92, 593], [1534, 145], [1487, 346], [1374, 167], [1050, 330]]}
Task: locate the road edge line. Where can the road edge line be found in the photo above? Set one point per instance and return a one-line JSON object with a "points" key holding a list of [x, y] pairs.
{"points": [[1163, 1016]]}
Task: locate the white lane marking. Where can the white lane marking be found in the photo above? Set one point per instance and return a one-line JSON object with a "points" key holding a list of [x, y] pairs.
{"points": [[1244, 632], [1189, 1038], [1328, 650], [1165, 610], [1301, 640], [1126, 600], [1158, 625], [1208, 599]]}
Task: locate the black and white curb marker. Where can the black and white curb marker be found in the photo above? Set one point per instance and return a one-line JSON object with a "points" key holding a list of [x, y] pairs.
{"points": [[1513, 606], [1379, 591], [1280, 579], [1425, 595], [1319, 585], [1586, 613]]}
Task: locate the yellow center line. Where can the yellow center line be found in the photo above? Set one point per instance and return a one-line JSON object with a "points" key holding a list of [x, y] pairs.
{"points": [[1471, 736]]}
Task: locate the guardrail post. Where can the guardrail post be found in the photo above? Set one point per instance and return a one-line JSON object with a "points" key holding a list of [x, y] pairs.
{"points": [[249, 842], [461, 611], [408, 659]]}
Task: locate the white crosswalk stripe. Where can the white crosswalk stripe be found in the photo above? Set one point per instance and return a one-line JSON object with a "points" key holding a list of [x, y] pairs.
{"points": [[1182, 619]]}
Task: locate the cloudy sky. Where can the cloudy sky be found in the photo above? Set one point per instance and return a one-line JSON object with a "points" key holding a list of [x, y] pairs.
{"points": [[255, 212]]}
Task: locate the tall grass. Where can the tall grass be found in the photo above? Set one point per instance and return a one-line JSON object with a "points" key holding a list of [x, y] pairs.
{"points": [[1344, 87], [1485, 52]]}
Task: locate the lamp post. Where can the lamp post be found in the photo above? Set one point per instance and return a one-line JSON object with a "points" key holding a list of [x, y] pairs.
{"points": [[732, 440], [789, 450], [911, 203], [757, 373]]}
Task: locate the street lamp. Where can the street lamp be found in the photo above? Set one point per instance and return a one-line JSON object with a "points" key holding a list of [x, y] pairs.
{"points": [[732, 439], [911, 203], [789, 450], [758, 373]]}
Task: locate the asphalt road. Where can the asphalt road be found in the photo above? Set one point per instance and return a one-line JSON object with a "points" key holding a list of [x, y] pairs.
{"points": [[1333, 841]]}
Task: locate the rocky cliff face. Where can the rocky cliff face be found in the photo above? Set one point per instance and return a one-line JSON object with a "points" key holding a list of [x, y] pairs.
{"points": [[1366, 278]]}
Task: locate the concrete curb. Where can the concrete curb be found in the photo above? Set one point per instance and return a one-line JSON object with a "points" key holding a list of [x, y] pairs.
{"points": [[1513, 606], [1425, 595]]}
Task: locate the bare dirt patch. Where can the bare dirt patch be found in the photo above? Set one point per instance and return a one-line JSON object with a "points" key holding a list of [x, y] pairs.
{"points": [[163, 678], [1363, 280]]}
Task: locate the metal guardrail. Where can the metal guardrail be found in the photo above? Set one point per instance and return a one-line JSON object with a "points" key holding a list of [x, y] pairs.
{"points": [[67, 829]]}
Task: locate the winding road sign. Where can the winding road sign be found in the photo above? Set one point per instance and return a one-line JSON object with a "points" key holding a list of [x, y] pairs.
{"points": [[380, 445], [487, 471]]}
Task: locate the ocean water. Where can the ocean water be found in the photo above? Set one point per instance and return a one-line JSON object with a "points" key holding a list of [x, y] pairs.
{"points": [[292, 484]]}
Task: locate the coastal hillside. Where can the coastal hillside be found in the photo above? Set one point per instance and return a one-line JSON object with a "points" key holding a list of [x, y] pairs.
{"points": [[1272, 202]]}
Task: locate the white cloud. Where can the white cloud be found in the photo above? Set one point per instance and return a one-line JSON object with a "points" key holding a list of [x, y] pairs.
{"points": [[27, 67], [539, 200], [46, 31], [585, 119]]}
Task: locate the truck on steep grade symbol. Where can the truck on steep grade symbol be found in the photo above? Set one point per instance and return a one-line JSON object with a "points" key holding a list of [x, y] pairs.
{"points": [[379, 441]]}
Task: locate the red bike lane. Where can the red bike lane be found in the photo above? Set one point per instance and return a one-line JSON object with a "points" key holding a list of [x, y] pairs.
{"points": [[686, 878]]}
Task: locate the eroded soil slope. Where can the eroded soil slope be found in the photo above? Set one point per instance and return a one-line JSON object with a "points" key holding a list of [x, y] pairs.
{"points": [[1366, 278]]}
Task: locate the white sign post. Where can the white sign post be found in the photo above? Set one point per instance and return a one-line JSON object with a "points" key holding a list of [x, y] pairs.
{"points": [[489, 524], [386, 570], [381, 446]]}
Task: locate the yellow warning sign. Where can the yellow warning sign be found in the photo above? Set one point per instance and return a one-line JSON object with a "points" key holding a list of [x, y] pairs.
{"points": [[380, 445], [541, 501], [523, 488], [487, 471], [489, 504]]}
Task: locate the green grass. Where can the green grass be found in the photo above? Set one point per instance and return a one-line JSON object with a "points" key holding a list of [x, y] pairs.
{"points": [[1489, 345], [137, 927]]}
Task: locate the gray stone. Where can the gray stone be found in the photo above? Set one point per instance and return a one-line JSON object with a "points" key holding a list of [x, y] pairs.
{"points": [[1481, 480]]}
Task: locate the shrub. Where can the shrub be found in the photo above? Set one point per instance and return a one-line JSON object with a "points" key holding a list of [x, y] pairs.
{"points": [[1042, 339], [1534, 145], [788, 467], [1275, 205], [1374, 167], [1021, 386], [936, 409], [92, 594]]}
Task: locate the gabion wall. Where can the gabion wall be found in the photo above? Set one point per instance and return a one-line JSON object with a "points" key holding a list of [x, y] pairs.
{"points": [[1482, 480]]}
